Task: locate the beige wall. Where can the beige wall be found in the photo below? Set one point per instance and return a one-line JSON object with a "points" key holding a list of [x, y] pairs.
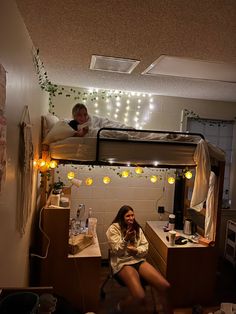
{"points": [[22, 89], [105, 200]]}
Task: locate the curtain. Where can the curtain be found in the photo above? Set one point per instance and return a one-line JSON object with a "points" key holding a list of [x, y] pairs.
{"points": [[2, 125]]}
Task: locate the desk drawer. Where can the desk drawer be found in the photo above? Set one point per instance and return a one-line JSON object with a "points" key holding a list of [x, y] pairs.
{"points": [[157, 259], [156, 242]]}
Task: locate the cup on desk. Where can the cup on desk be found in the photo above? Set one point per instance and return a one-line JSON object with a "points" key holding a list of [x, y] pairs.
{"points": [[92, 226], [172, 236]]}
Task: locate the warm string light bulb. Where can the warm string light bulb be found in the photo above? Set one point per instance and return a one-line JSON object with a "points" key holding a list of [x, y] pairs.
{"points": [[106, 180], [138, 170], [171, 180], [53, 164], [188, 175], [41, 163], [153, 179], [125, 174], [70, 175], [89, 181]]}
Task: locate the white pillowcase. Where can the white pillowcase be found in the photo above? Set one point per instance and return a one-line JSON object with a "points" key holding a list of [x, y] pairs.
{"points": [[59, 131]]}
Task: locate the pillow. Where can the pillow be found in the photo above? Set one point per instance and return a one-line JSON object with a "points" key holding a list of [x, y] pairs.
{"points": [[50, 120], [60, 131]]}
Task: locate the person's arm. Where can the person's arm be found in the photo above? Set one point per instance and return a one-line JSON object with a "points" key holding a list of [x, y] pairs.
{"points": [[142, 249], [116, 241]]}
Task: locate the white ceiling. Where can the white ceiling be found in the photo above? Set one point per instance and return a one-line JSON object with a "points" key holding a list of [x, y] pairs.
{"points": [[69, 32]]}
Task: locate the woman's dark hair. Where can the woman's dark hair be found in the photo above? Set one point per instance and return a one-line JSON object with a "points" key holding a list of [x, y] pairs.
{"points": [[77, 108], [121, 221]]}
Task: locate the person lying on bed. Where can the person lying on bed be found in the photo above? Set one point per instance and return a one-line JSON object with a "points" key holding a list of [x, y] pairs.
{"points": [[88, 125], [80, 118], [128, 250]]}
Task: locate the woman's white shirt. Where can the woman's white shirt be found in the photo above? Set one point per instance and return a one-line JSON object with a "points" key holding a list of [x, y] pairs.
{"points": [[119, 254]]}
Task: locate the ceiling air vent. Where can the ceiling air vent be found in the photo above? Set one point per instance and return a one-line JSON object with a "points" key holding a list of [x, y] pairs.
{"points": [[112, 64]]}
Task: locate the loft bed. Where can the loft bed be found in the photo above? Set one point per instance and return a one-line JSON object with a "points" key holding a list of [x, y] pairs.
{"points": [[147, 148], [129, 146]]}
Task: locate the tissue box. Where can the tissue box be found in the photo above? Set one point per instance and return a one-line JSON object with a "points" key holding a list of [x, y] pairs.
{"points": [[79, 242]]}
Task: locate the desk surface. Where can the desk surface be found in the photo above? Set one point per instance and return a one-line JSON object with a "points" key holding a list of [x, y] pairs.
{"points": [[91, 251], [157, 227]]}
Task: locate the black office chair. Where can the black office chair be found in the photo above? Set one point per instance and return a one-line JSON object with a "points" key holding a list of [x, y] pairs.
{"points": [[110, 276]]}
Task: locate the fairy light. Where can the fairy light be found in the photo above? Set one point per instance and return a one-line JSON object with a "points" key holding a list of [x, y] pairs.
{"points": [[118, 98], [107, 100], [188, 175], [89, 181], [96, 105], [96, 98], [151, 106], [106, 180], [139, 107], [139, 101], [117, 109], [96, 111], [153, 179], [53, 164], [118, 104], [125, 120], [135, 119], [125, 173], [138, 170], [127, 108], [126, 114], [151, 99], [70, 175], [171, 180], [41, 162], [115, 116], [155, 163], [128, 101], [137, 113], [144, 95], [136, 126]]}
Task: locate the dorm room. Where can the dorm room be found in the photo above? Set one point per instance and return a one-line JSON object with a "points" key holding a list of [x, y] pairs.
{"points": [[158, 81]]}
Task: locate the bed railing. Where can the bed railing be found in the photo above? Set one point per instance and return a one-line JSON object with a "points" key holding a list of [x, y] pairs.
{"points": [[100, 139]]}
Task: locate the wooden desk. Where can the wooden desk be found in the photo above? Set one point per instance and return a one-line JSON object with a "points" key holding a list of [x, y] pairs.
{"points": [[190, 268], [75, 277]]}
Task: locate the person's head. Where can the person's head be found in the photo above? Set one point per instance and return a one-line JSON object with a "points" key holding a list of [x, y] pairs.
{"points": [[125, 217], [80, 113]]}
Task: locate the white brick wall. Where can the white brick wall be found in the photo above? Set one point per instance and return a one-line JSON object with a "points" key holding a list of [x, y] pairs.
{"points": [[105, 200]]}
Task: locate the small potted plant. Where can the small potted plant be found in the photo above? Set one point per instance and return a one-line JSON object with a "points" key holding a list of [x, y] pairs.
{"points": [[57, 187]]}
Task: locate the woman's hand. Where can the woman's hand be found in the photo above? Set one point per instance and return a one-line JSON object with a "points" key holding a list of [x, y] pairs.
{"points": [[132, 250], [81, 132], [130, 234]]}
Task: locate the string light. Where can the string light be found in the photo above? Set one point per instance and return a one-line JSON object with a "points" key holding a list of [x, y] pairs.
{"points": [[135, 119], [138, 170], [153, 179], [117, 109], [137, 113], [127, 108], [155, 163], [125, 173], [171, 180], [70, 175], [96, 105], [188, 175], [96, 111], [89, 181], [115, 116], [128, 101], [118, 104], [41, 163], [53, 164], [151, 106], [106, 180]]}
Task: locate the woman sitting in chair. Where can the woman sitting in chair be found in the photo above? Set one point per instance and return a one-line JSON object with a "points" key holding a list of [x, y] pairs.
{"points": [[128, 250]]}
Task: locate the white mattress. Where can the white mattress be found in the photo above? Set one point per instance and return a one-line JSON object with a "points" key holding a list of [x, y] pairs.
{"points": [[122, 152]]}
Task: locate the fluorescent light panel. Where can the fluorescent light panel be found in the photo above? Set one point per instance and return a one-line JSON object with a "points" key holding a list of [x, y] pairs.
{"points": [[192, 68]]}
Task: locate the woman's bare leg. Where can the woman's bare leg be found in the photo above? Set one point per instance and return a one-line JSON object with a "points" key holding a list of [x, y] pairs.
{"points": [[131, 278], [156, 280]]}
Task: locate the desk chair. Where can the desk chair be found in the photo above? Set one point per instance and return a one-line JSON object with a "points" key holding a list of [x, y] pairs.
{"points": [[110, 276]]}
